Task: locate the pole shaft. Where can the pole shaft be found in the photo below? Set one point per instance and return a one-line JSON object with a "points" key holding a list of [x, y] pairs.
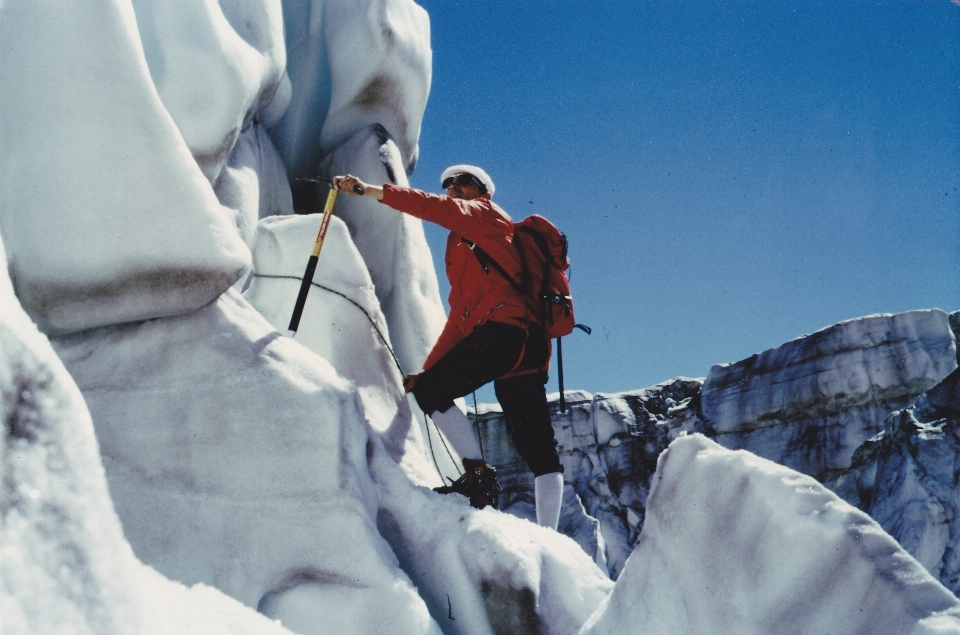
{"points": [[312, 262], [563, 401]]}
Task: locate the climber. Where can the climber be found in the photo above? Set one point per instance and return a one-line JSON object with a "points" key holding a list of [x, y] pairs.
{"points": [[490, 335]]}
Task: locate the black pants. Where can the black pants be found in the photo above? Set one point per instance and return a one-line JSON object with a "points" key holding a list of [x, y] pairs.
{"points": [[489, 352]]}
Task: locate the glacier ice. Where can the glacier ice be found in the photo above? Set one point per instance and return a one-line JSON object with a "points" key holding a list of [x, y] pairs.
{"points": [[393, 245], [906, 478], [216, 66], [290, 474], [253, 182], [794, 404], [608, 445], [96, 233], [254, 445], [353, 65]]}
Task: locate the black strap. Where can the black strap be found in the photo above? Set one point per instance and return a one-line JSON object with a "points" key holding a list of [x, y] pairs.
{"points": [[486, 260]]}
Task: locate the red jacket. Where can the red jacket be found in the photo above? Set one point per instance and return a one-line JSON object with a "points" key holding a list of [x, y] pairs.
{"points": [[476, 296]]}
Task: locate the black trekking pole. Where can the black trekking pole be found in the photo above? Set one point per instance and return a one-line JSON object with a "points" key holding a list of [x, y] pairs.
{"points": [[315, 255], [563, 401]]}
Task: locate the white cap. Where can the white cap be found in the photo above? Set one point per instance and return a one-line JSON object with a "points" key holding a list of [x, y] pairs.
{"points": [[482, 176]]}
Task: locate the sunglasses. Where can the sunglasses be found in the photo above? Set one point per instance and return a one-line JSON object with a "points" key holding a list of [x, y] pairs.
{"points": [[463, 179]]}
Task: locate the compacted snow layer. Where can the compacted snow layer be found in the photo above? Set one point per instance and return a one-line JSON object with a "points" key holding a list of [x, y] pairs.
{"points": [[66, 565], [811, 402], [341, 322], [106, 215], [255, 446], [734, 543]]}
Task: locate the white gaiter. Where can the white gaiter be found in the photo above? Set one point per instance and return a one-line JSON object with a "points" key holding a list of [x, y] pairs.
{"points": [[459, 432], [548, 491]]}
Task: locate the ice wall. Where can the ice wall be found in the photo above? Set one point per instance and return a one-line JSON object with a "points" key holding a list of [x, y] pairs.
{"points": [[352, 65], [808, 404], [811, 402], [906, 478], [219, 69], [392, 244], [737, 544], [216, 67], [257, 448], [360, 74]]}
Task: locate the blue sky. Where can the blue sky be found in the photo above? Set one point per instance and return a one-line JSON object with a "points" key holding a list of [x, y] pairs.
{"points": [[730, 175]]}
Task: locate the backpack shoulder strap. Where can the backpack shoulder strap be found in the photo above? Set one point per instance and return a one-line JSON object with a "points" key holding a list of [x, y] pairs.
{"points": [[486, 262]]}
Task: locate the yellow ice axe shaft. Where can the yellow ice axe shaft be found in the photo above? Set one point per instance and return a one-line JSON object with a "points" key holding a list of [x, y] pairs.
{"points": [[312, 262]]}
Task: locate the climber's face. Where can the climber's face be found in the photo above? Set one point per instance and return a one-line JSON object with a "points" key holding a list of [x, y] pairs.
{"points": [[464, 186]]}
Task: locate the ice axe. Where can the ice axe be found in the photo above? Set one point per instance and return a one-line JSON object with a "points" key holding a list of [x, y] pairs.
{"points": [[315, 255]]}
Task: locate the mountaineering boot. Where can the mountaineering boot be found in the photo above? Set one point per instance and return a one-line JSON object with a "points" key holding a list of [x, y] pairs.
{"points": [[548, 493], [478, 483]]}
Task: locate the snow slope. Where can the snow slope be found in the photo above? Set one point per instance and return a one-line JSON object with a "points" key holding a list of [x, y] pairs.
{"points": [[734, 543]]}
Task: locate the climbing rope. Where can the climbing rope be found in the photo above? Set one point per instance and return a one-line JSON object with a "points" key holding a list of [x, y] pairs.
{"points": [[373, 322], [396, 361]]}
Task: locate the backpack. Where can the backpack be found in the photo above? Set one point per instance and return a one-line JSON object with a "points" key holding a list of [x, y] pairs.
{"points": [[544, 283]]}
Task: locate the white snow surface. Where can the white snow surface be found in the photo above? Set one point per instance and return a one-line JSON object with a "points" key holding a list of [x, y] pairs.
{"points": [[96, 232], [733, 543], [66, 565], [341, 322]]}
